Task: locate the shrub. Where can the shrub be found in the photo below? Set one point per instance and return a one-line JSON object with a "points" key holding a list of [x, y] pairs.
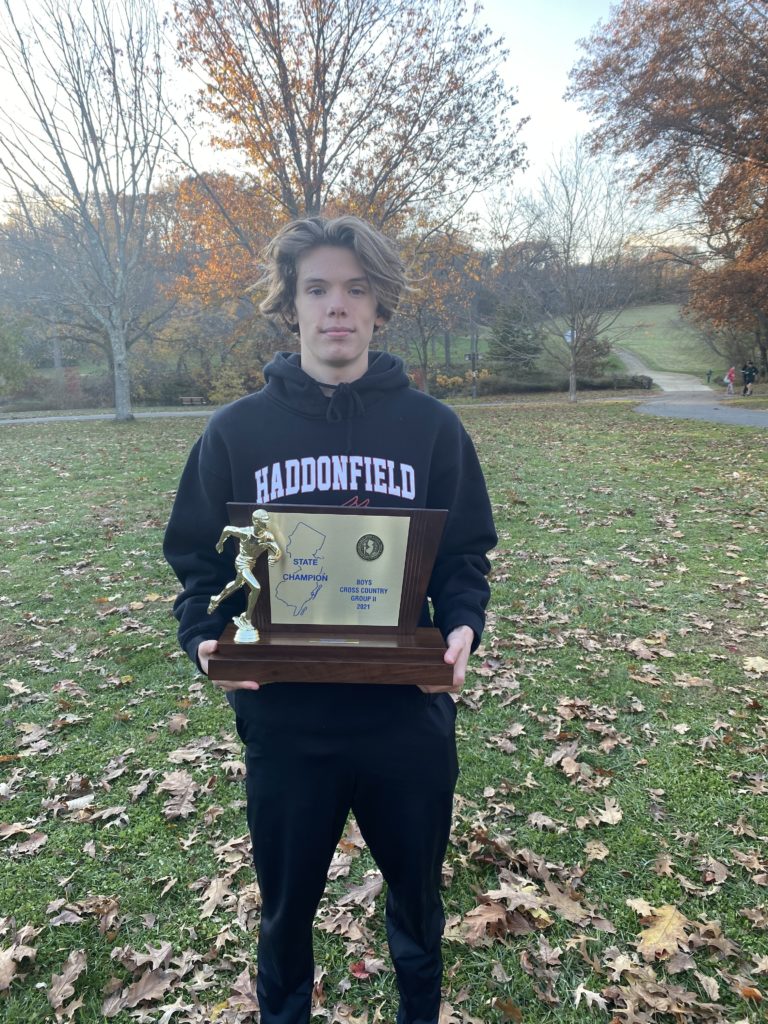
{"points": [[504, 382], [618, 382], [157, 383], [451, 382], [98, 390]]}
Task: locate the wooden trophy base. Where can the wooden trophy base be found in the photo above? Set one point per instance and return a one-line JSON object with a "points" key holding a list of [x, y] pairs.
{"points": [[281, 657]]}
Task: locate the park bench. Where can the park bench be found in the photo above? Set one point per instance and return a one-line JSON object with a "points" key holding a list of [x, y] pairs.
{"points": [[192, 400]]}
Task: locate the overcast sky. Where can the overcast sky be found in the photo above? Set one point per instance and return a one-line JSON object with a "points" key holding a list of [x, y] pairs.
{"points": [[541, 37]]}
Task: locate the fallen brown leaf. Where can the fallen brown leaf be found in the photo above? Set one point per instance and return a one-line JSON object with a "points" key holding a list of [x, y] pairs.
{"points": [[62, 985], [666, 933], [182, 788]]}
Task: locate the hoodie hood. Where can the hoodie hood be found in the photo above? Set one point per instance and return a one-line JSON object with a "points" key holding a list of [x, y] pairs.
{"points": [[288, 385]]}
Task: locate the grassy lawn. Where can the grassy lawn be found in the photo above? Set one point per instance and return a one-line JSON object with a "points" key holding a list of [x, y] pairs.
{"points": [[668, 342], [659, 336], [757, 400], [608, 859]]}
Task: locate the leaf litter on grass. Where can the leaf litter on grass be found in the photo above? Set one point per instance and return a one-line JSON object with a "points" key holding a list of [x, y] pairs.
{"points": [[607, 853]]}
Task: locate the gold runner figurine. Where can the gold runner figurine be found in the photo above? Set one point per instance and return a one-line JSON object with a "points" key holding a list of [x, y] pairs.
{"points": [[254, 541]]}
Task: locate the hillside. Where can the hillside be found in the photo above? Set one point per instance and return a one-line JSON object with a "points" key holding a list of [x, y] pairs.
{"points": [[664, 340]]}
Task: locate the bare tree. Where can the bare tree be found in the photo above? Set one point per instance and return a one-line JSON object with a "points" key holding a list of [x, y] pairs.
{"points": [[586, 225], [80, 155], [383, 105]]}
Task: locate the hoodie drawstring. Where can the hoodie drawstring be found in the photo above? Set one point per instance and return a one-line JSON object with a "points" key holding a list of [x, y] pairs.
{"points": [[344, 403]]}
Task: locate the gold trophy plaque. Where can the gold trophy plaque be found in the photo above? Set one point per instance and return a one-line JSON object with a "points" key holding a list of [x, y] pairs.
{"points": [[334, 595]]}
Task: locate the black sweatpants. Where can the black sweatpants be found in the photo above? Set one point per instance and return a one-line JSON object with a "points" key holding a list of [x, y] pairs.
{"points": [[313, 753]]}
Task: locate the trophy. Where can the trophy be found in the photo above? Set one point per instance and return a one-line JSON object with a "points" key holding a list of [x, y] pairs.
{"points": [[334, 595], [253, 540]]}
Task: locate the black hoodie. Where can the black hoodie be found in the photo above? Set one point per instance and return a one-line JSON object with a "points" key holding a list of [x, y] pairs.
{"points": [[374, 443]]}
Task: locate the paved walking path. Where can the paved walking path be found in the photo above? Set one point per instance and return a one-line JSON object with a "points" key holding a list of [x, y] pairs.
{"points": [[666, 381], [686, 398], [712, 408], [170, 414]]}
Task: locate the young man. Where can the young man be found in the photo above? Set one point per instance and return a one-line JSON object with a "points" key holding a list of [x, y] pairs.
{"points": [[315, 752]]}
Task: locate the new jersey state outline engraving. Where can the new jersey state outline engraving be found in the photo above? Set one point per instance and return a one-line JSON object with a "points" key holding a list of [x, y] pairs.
{"points": [[304, 581]]}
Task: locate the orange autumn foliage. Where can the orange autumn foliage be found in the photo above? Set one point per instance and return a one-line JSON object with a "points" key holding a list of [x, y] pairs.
{"points": [[682, 87], [221, 223], [381, 104]]}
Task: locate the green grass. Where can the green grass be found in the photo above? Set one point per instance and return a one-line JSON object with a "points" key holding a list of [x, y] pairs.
{"points": [[613, 528], [757, 400], [656, 334], [667, 341]]}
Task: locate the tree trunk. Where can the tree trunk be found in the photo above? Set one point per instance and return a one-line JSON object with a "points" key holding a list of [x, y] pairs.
{"points": [[447, 345], [572, 378], [58, 362], [120, 375], [423, 352], [762, 341], [474, 342]]}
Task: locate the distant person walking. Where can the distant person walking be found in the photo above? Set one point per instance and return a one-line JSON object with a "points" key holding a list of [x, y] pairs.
{"points": [[744, 378], [728, 380], [751, 377]]}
